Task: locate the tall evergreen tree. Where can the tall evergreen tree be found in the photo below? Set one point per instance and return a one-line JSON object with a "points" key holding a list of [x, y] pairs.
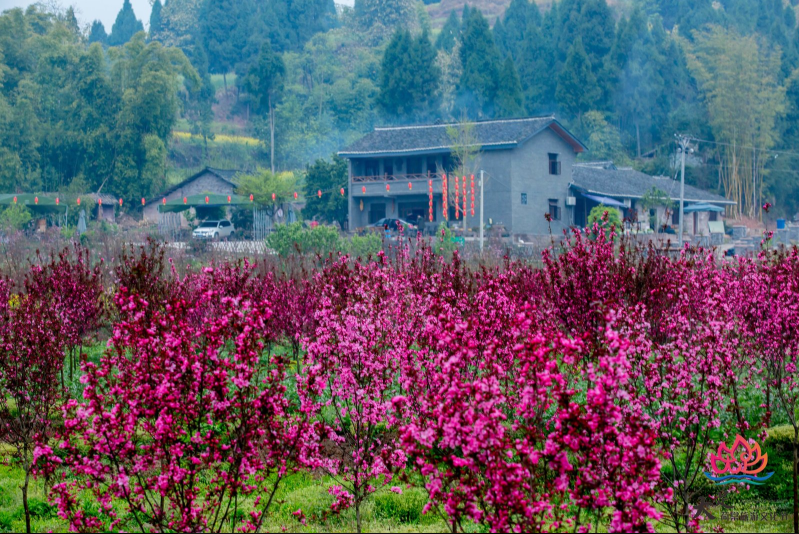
{"points": [[535, 68], [449, 33], [155, 20], [577, 90], [224, 33], [509, 91], [97, 33], [125, 26], [513, 26], [408, 77], [265, 83], [480, 62]]}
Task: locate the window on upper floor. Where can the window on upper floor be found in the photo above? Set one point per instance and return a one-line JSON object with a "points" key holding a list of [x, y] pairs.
{"points": [[524, 199], [554, 209], [371, 167], [554, 164], [415, 165]]}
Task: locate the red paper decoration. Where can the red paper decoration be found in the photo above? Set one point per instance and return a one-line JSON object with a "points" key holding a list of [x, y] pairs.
{"points": [[319, 193], [206, 200], [342, 191], [120, 202], [410, 186], [363, 189], [295, 195], [185, 200], [56, 201], [251, 197], [164, 201], [15, 200], [388, 187], [274, 196], [142, 202], [228, 199]]}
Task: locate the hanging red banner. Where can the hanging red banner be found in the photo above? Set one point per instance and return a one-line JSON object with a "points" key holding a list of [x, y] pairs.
{"points": [[464, 196], [457, 199]]}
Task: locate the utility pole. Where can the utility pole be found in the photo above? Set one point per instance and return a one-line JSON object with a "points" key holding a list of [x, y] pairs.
{"points": [[683, 142], [481, 212]]}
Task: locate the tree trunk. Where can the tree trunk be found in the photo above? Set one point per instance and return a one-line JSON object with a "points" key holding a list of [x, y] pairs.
{"points": [[25, 490], [272, 135], [795, 479], [638, 139], [224, 77], [357, 515]]}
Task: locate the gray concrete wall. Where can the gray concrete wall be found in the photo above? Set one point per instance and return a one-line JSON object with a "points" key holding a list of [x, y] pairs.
{"points": [[206, 183], [530, 174]]}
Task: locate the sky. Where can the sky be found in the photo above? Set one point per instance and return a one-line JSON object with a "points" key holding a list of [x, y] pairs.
{"points": [[104, 10]]}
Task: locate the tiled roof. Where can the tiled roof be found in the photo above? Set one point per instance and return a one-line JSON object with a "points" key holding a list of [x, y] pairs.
{"points": [[227, 175], [604, 178], [505, 133]]}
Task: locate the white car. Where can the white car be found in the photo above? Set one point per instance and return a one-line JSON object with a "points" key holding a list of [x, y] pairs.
{"points": [[213, 230]]}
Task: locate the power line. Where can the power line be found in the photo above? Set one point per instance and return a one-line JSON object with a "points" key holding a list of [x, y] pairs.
{"points": [[744, 147]]}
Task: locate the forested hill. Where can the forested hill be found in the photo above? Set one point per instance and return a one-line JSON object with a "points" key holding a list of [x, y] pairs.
{"points": [[129, 108]]}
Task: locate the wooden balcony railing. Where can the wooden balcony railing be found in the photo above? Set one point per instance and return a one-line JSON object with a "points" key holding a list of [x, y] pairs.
{"points": [[397, 177]]}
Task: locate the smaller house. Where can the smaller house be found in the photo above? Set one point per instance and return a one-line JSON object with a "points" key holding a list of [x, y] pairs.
{"points": [[602, 182], [106, 205], [208, 180]]}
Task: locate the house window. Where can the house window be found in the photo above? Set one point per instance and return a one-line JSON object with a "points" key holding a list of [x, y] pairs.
{"points": [[431, 166], [554, 164], [415, 165], [524, 199], [554, 209]]}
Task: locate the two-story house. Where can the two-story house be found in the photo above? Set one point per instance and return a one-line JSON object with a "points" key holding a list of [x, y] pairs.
{"points": [[527, 166]]}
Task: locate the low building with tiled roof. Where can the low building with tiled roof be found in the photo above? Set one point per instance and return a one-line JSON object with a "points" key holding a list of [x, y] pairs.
{"points": [[208, 180]]}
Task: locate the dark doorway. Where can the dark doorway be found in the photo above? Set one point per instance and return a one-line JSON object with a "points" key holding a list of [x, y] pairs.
{"points": [[377, 212]]}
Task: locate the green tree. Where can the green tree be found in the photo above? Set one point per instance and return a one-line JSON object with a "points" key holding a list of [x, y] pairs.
{"points": [[156, 24], [224, 30], [511, 29], [534, 70], [265, 83], [577, 90], [449, 33], [738, 76], [125, 26], [509, 92], [263, 184], [97, 33], [602, 138], [385, 15], [480, 63], [409, 77], [330, 178]]}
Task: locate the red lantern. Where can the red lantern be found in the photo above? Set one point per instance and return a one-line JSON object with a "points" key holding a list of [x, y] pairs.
{"points": [[295, 195], [388, 187], [206, 200], [410, 186], [99, 201], [363, 189], [185, 200], [251, 197], [464, 196], [120, 202], [36, 200], [56, 201], [342, 191], [164, 201], [274, 196], [15, 200], [142, 202], [228, 199], [319, 193], [457, 199]]}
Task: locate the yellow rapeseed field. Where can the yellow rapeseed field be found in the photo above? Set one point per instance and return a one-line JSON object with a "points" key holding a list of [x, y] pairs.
{"points": [[220, 138]]}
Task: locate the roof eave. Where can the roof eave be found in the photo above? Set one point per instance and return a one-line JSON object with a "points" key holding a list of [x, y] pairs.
{"points": [[619, 195], [420, 152]]}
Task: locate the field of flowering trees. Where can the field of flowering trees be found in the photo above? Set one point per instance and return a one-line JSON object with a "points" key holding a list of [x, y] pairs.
{"points": [[582, 394]]}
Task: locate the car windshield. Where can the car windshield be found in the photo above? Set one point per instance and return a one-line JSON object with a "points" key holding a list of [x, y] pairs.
{"points": [[209, 224]]}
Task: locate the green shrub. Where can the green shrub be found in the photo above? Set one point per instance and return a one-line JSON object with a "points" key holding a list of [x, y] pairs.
{"points": [[405, 508], [40, 509], [314, 501], [6, 522], [365, 246], [15, 217], [596, 216], [780, 438], [288, 238]]}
